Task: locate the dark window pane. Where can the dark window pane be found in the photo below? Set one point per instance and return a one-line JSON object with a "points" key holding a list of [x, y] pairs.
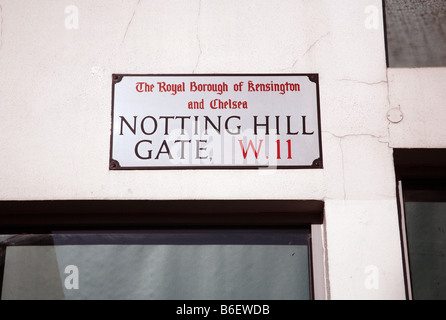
{"points": [[158, 265], [426, 236]]}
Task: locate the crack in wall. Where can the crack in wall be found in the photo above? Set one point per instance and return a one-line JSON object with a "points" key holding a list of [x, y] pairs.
{"points": [[364, 82], [343, 169], [315, 43], [386, 81], [379, 138], [389, 106], [341, 138], [130, 22], [306, 52], [198, 37]]}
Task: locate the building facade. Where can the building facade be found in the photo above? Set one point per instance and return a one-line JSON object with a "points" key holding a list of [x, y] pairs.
{"points": [[57, 61]]}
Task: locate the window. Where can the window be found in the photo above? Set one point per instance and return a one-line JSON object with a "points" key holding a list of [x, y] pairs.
{"points": [[197, 257], [422, 192], [415, 33], [159, 265]]}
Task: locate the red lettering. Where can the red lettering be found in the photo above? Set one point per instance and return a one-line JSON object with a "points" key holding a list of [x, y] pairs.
{"points": [[250, 145], [139, 87]]}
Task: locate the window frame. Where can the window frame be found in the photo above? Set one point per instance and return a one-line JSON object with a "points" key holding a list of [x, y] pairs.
{"points": [[420, 176], [48, 216]]}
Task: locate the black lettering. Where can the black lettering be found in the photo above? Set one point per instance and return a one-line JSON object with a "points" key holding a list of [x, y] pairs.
{"points": [[166, 131], [182, 146], [133, 130], [164, 145], [182, 122], [227, 126], [155, 125], [196, 125], [207, 120], [288, 125], [266, 125], [200, 149], [304, 127], [149, 152]]}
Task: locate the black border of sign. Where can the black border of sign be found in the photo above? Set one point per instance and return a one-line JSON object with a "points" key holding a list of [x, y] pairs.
{"points": [[313, 77]]}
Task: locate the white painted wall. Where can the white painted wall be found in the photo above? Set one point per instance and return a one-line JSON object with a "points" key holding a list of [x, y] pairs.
{"points": [[55, 104]]}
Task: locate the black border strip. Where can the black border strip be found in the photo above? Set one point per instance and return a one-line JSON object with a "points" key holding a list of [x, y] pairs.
{"points": [[386, 46], [313, 77], [422, 172], [420, 163]]}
